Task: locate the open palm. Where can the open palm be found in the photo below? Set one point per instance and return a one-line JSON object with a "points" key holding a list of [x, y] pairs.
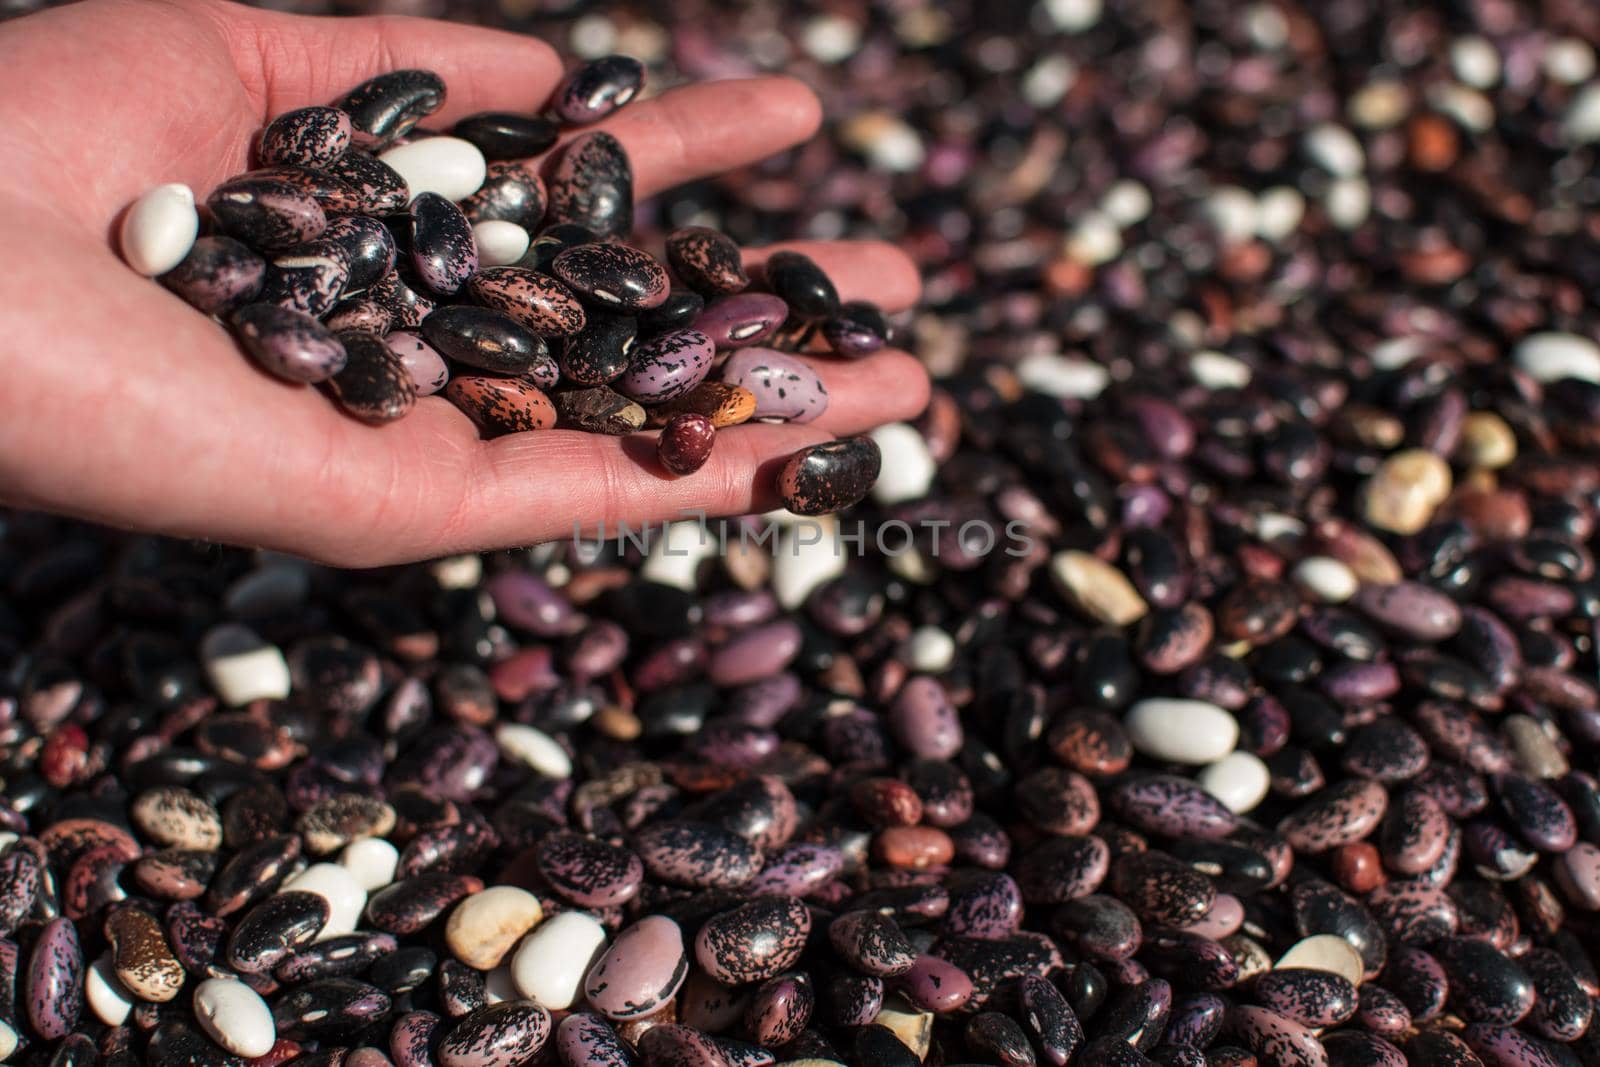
{"points": [[125, 406]]}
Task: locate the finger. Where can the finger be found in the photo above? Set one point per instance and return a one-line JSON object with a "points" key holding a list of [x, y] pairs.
{"points": [[860, 270], [538, 486], [317, 60], [888, 386], [705, 129]]}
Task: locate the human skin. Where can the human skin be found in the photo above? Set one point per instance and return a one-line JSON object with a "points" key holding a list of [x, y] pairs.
{"points": [[122, 405]]}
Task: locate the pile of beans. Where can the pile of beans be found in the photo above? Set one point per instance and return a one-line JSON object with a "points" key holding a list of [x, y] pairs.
{"points": [[1270, 738], [392, 264]]}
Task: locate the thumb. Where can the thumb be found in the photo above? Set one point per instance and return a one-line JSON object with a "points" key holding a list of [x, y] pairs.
{"points": [[291, 61]]}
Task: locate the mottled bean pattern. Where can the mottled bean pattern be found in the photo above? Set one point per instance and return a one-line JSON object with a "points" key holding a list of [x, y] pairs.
{"points": [[1328, 442]]}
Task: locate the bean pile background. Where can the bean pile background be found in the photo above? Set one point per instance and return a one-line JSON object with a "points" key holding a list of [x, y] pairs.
{"points": [[1273, 326]]}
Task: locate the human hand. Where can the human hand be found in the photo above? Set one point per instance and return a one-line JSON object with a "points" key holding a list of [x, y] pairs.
{"points": [[125, 406]]}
